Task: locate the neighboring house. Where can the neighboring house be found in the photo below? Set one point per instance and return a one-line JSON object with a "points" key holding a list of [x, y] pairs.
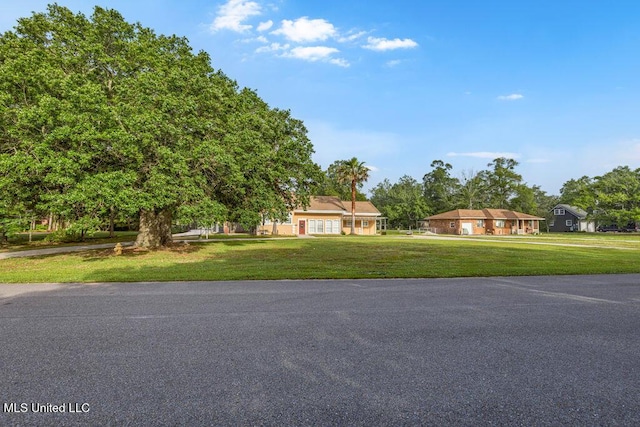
{"points": [[570, 218], [326, 215], [483, 221]]}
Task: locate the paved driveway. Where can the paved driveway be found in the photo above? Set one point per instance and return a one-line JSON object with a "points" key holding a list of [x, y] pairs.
{"points": [[500, 351]]}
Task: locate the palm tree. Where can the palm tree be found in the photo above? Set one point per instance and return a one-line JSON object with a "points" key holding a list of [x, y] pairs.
{"points": [[354, 172]]}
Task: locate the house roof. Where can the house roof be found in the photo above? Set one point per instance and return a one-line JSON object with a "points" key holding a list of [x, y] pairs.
{"points": [[332, 204], [483, 214], [575, 211], [325, 203], [363, 208], [460, 214]]}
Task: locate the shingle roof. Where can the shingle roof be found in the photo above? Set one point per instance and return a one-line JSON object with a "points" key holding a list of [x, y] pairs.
{"points": [[460, 214], [483, 214], [363, 208], [579, 213], [334, 204], [325, 203]]}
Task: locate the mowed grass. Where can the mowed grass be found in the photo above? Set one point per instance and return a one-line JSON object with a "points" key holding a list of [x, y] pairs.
{"points": [[331, 258]]}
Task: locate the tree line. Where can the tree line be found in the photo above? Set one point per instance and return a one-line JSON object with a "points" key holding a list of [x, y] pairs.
{"points": [[408, 201], [105, 122], [612, 198]]}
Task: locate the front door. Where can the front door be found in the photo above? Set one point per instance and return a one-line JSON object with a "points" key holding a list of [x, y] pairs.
{"points": [[301, 227]]}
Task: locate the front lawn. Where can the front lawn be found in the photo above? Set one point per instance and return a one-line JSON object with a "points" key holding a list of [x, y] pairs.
{"points": [[341, 258]]}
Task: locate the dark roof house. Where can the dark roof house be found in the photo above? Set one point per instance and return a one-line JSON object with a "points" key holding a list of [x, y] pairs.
{"points": [[570, 218]]}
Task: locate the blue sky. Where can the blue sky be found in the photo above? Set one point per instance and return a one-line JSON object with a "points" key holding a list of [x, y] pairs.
{"points": [[398, 84]]}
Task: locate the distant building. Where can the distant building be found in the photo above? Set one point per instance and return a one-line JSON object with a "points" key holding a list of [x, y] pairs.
{"points": [[483, 221], [570, 218]]}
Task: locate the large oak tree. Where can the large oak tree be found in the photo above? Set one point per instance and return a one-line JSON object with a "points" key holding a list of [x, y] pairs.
{"points": [[99, 116]]}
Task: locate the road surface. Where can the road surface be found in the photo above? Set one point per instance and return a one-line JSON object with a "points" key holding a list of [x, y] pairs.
{"points": [[501, 351]]}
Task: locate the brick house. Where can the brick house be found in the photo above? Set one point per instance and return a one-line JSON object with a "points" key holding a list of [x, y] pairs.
{"points": [[483, 221]]}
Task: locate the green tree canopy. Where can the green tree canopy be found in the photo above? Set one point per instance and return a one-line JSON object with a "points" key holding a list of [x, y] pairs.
{"points": [[330, 184], [402, 203], [503, 182], [99, 115], [354, 172], [440, 187]]}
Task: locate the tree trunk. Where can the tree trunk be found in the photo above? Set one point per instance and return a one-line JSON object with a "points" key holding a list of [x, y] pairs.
{"points": [[112, 216], [353, 207], [155, 229]]}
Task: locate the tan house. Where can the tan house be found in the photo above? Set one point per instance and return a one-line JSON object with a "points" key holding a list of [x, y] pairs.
{"points": [[483, 221], [326, 215]]}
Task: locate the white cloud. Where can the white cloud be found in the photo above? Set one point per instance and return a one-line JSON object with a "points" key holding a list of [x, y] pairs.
{"points": [[306, 30], [262, 39], [273, 47], [313, 53], [382, 44], [264, 26], [512, 97], [485, 155], [393, 63], [232, 14], [316, 53], [340, 62], [351, 36]]}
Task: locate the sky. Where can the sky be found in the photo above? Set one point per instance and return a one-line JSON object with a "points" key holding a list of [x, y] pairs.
{"points": [[398, 84]]}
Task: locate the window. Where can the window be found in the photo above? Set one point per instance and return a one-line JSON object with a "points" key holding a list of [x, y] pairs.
{"points": [[452, 225], [500, 223], [480, 223], [320, 227], [332, 226], [365, 223], [552, 223], [347, 223], [558, 212], [569, 223], [289, 219], [312, 226]]}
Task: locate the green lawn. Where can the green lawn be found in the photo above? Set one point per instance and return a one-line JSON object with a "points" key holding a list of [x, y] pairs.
{"points": [[340, 257]]}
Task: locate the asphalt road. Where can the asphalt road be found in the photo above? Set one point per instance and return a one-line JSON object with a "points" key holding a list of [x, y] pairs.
{"points": [[488, 351]]}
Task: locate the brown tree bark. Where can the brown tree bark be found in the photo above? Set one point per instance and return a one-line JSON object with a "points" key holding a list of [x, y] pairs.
{"points": [[155, 229]]}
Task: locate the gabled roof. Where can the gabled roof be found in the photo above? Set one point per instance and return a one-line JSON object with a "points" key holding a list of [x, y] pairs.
{"points": [[363, 208], [483, 214], [507, 214], [332, 204], [325, 203], [460, 214], [575, 211]]}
